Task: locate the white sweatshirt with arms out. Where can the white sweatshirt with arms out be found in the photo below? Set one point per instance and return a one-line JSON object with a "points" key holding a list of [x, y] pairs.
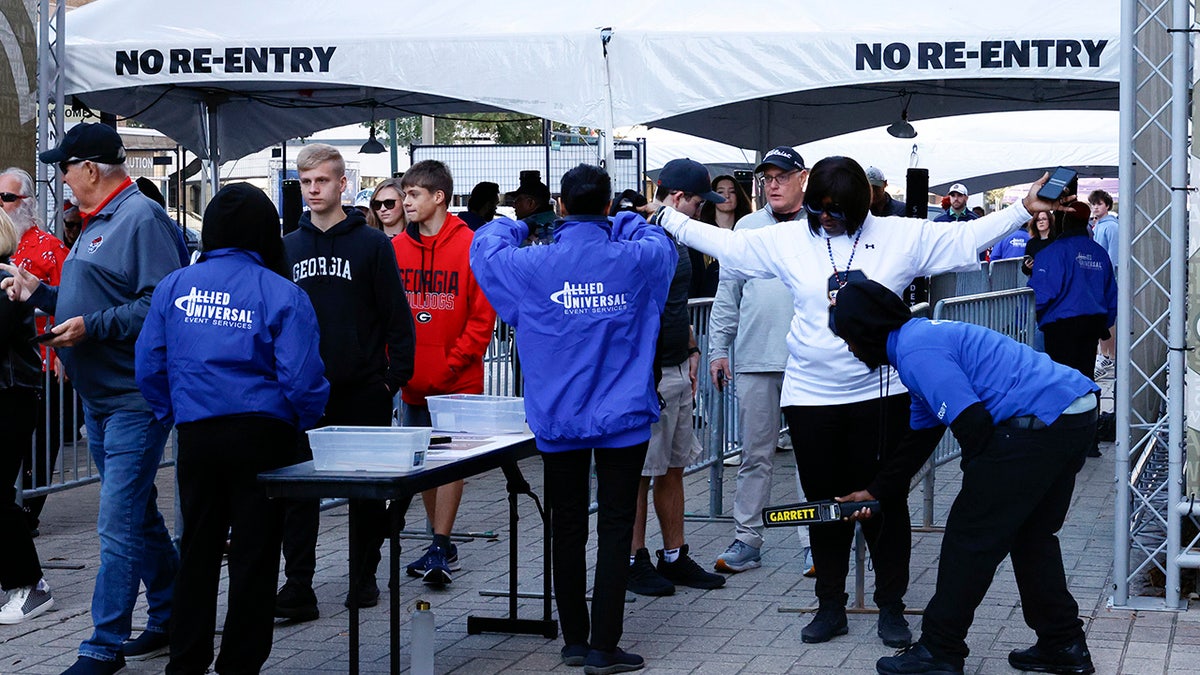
{"points": [[891, 250]]}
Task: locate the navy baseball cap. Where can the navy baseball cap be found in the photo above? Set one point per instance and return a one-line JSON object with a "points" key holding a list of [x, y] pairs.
{"points": [[784, 157], [96, 142], [688, 175]]}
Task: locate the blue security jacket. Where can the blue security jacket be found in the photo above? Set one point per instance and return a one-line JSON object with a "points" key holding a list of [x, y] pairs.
{"points": [[1074, 277], [586, 312], [948, 366], [227, 336]]}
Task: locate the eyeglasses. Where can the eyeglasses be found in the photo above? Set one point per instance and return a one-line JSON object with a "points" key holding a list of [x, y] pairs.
{"points": [[66, 164], [9, 197], [832, 212], [779, 179], [388, 204]]}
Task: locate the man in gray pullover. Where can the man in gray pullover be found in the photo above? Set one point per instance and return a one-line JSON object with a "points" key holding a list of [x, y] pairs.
{"points": [[754, 316]]}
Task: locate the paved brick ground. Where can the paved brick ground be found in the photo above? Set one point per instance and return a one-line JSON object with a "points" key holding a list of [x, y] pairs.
{"points": [[740, 628]]}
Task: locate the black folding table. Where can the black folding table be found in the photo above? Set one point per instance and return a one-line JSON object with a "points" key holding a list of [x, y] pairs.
{"points": [[503, 452]]}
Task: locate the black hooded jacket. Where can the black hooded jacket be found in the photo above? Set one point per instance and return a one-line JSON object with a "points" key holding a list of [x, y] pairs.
{"points": [[351, 277], [865, 313]]}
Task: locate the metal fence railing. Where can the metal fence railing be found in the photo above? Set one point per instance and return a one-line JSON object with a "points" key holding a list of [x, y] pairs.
{"points": [[1010, 312], [58, 457]]}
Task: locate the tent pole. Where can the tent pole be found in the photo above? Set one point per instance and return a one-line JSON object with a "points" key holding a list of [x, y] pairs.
{"points": [[214, 156], [607, 135], [393, 147]]}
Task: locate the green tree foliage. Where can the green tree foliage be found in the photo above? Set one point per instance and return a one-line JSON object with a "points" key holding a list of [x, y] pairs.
{"points": [[501, 128]]}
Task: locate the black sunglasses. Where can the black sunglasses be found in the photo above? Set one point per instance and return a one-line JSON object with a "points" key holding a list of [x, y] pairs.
{"points": [[10, 197], [388, 204], [66, 163], [832, 212]]}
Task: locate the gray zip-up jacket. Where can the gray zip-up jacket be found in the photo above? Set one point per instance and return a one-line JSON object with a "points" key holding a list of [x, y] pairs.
{"points": [[751, 314], [108, 279]]}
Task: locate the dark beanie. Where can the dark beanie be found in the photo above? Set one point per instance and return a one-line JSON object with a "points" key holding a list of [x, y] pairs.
{"points": [[242, 216], [865, 313]]}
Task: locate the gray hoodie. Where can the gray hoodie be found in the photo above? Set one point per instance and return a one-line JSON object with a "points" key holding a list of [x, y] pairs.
{"points": [[752, 314]]}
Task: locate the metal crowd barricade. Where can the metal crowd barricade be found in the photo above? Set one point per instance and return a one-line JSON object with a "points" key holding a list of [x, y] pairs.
{"points": [[62, 461], [714, 418], [1011, 312]]}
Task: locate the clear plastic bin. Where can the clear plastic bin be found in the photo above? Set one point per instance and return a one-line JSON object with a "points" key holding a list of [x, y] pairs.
{"points": [[478, 414], [369, 448]]}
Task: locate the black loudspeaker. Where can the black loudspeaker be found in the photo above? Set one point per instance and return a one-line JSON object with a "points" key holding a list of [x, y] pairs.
{"points": [[916, 205], [745, 179], [916, 194], [292, 205]]}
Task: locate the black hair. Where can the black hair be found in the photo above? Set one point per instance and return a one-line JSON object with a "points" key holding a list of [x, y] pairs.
{"points": [[844, 182], [1098, 196], [585, 190], [708, 212]]}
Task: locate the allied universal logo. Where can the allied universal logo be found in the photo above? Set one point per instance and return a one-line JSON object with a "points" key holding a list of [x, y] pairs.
{"points": [[588, 298], [212, 307]]}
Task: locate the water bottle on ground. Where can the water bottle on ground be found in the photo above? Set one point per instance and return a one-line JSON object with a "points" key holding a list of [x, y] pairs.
{"points": [[422, 644]]}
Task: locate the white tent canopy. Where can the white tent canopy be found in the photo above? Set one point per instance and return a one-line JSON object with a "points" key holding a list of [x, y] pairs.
{"points": [[753, 75], [984, 151]]}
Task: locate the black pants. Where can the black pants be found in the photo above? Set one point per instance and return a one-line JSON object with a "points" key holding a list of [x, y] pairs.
{"points": [[217, 465], [618, 473], [1014, 498], [19, 564], [58, 421], [839, 449], [348, 406], [1072, 342]]}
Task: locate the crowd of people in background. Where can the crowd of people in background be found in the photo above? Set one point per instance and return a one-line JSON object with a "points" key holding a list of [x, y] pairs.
{"points": [[368, 308]]}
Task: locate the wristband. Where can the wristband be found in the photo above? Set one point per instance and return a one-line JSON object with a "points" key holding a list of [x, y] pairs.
{"points": [[693, 350]]}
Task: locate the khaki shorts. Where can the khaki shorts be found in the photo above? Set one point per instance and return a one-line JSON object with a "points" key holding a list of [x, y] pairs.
{"points": [[673, 445]]}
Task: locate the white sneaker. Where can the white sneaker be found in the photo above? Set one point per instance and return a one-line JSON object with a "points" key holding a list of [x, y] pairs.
{"points": [[26, 602], [1104, 367]]}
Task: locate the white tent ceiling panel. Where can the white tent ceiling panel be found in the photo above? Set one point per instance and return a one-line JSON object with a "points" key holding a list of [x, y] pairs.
{"points": [[753, 75]]}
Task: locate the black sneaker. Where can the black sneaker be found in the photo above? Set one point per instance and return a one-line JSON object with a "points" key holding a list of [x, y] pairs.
{"points": [[297, 603], [1074, 658], [146, 646], [685, 572], [367, 593], [892, 627], [575, 655], [915, 659], [616, 661], [829, 622], [644, 579]]}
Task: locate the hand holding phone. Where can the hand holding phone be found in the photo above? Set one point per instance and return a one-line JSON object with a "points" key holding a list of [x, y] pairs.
{"points": [[42, 337], [1058, 186]]}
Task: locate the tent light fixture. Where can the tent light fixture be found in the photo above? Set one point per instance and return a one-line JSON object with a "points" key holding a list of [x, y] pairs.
{"points": [[901, 128], [372, 146]]}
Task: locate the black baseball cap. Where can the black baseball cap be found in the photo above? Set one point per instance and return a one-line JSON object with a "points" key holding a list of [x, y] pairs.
{"points": [[784, 157], [688, 175], [532, 186], [92, 141]]}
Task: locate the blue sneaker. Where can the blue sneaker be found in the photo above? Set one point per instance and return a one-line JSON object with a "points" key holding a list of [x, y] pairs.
{"points": [[739, 557], [436, 565], [419, 568], [606, 663]]}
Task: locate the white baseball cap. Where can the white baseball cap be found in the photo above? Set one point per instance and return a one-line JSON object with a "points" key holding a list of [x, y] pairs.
{"points": [[960, 189]]}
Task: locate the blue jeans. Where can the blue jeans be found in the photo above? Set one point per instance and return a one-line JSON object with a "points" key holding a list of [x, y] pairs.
{"points": [[135, 546]]}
